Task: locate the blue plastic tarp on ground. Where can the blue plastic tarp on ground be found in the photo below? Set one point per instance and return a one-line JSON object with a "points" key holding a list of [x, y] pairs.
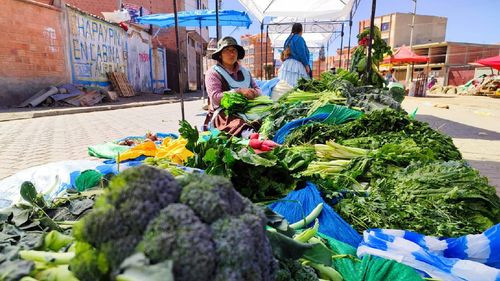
{"points": [[301, 202], [198, 18], [473, 257]]}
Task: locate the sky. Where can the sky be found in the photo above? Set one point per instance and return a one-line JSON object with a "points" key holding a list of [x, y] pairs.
{"points": [[474, 21]]}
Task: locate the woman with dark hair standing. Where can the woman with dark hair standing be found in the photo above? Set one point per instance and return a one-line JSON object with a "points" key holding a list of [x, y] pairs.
{"points": [[295, 57]]}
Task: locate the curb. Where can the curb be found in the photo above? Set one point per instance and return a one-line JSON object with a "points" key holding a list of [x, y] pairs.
{"points": [[66, 111]]}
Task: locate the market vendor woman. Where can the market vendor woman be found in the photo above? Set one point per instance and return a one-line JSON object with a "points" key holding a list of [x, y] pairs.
{"points": [[228, 75]]}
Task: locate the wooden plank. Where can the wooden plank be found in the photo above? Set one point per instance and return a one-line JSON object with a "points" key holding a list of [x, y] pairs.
{"points": [[121, 84]]}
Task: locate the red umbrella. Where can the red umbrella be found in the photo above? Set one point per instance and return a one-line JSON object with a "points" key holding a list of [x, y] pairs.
{"points": [[405, 55], [493, 62]]}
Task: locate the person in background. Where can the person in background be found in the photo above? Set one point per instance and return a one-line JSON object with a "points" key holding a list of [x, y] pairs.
{"points": [[432, 82], [333, 70], [228, 75], [295, 57], [389, 77]]}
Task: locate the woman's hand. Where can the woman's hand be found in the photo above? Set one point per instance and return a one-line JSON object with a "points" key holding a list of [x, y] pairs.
{"points": [[249, 93], [308, 69]]}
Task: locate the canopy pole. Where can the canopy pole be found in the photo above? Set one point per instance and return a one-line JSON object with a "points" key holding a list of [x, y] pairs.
{"points": [[341, 45], [261, 51], [369, 57], [177, 42], [409, 76], [217, 19], [349, 40], [267, 38], [327, 52]]}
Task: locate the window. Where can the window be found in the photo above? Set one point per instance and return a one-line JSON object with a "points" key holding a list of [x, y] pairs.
{"points": [[251, 51], [385, 26]]}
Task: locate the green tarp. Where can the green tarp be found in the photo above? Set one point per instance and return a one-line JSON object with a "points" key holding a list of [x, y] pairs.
{"points": [[368, 268], [107, 150]]}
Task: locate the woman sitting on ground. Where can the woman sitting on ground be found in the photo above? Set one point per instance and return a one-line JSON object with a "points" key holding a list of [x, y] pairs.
{"points": [[228, 75]]}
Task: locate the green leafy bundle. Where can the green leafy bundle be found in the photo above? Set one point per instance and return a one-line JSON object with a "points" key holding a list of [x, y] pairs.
{"points": [[225, 156], [376, 129], [233, 103], [438, 198]]}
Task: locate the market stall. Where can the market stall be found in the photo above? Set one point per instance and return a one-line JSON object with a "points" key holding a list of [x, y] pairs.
{"points": [[356, 189]]}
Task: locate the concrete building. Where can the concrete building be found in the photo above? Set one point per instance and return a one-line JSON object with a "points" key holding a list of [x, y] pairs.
{"points": [[396, 28], [254, 57], [452, 63]]}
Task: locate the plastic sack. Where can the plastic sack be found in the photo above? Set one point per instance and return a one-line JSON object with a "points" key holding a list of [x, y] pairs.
{"points": [[267, 86], [281, 88], [49, 179], [53, 179], [301, 202], [370, 268], [453, 259]]}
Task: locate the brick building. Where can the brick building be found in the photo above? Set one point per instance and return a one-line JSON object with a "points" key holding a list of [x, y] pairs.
{"points": [[254, 57], [32, 57], [41, 52], [450, 62]]}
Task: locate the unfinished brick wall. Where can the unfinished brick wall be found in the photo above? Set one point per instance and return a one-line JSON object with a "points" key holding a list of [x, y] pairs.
{"points": [[97, 6], [32, 53]]}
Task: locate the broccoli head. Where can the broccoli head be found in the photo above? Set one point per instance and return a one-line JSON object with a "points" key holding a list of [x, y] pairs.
{"points": [[211, 197], [88, 264], [116, 224], [243, 249], [177, 234], [292, 270]]}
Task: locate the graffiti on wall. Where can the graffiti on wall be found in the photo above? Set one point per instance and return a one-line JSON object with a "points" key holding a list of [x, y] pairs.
{"points": [[139, 62], [96, 47], [50, 34]]}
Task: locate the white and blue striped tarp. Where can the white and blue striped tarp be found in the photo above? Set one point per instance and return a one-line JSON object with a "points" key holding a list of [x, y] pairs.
{"points": [[471, 257]]}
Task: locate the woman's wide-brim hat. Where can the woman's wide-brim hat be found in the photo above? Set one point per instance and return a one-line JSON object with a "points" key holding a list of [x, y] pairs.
{"points": [[227, 42]]}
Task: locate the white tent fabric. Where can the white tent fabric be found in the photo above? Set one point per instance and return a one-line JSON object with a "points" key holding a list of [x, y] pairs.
{"points": [[313, 40], [317, 18], [315, 33], [312, 9]]}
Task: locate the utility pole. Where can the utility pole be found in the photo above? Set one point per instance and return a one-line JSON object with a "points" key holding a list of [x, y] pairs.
{"points": [[349, 44], [341, 46], [177, 42], [217, 19], [408, 70], [261, 51], [369, 69]]}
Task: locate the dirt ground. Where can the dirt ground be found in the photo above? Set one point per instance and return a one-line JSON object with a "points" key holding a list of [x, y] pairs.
{"points": [[472, 121]]}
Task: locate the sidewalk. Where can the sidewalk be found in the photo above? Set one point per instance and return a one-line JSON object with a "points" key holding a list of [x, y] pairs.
{"points": [[136, 101]]}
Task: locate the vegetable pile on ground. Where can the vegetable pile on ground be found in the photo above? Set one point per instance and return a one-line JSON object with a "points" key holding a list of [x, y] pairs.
{"points": [[373, 163], [147, 225]]}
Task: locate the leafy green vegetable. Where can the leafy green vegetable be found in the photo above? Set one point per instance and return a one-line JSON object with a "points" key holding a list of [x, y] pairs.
{"points": [[375, 129], [439, 198], [233, 103]]}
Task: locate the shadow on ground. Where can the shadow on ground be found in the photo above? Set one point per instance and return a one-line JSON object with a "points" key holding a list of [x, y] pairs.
{"points": [[458, 130], [489, 169]]}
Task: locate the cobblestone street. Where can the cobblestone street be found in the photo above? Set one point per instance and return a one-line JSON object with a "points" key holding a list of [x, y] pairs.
{"points": [[32, 142]]}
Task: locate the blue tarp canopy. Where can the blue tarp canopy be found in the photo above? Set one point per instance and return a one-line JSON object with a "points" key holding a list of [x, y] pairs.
{"points": [[198, 18]]}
